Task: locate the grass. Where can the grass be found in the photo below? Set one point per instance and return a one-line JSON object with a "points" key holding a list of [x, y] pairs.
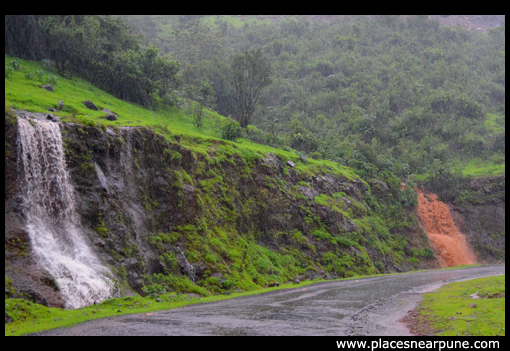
{"points": [[29, 317], [477, 167], [447, 310], [484, 167]]}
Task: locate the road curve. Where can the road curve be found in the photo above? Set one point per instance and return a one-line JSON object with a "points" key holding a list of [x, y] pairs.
{"points": [[365, 306]]}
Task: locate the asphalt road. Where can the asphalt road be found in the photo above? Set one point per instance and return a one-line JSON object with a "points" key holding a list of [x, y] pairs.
{"points": [[367, 306]]}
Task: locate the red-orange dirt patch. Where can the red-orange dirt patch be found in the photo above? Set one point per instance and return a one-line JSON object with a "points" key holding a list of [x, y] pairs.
{"points": [[450, 245]]}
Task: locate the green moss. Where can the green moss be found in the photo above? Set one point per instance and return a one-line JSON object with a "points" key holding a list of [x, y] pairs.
{"points": [[9, 287], [333, 203]]}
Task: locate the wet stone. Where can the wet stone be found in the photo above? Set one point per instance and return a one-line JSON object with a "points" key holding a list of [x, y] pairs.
{"points": [[90, 105]]}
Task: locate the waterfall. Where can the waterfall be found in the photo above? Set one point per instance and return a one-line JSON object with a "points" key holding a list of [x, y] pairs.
{"points": [[57, 238], [450, 245]]}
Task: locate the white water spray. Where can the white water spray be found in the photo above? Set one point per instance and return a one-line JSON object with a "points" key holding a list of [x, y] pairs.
{"points": [[52, 222]]}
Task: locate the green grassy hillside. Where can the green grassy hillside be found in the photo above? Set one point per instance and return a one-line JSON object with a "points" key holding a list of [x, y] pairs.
{"points": [[23, 92]]}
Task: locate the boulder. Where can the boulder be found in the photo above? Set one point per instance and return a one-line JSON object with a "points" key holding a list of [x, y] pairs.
{"points": [[302, 159], [271, 160], [299, 279], [90, 105], [99, 242], [47, 87], [50, 117], [111, 116], [308, 192], [290, 163]]}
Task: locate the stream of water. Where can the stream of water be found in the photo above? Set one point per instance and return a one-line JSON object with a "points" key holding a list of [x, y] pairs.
{"points": [[52, 222]]}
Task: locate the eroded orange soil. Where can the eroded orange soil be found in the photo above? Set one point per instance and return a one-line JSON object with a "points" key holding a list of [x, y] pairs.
{"points": [[450, 245]]}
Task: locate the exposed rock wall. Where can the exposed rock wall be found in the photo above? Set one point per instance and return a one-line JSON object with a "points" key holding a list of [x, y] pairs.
{"points": [[218, 215], [479, 212]]}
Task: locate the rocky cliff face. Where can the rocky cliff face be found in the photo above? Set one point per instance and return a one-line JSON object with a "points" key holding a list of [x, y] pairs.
{"points": [[479, 212], [209, 218]]}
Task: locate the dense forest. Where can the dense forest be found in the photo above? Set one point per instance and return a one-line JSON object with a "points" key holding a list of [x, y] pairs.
{"points": [[381, 93]]}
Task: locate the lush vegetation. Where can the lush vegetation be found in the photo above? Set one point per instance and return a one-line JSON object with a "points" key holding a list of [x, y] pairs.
{"points": [[383, 94], [451, 310], [375, 101], [102, 49], [23, 92]]}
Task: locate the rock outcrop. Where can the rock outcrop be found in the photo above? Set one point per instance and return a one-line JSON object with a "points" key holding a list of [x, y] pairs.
{"points": [[155, 211], [479, 213]]}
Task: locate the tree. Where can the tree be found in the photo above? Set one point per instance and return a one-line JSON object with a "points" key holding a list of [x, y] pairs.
{"points": [[251, 72], [23, 37], [141, 74], [200, 95]]}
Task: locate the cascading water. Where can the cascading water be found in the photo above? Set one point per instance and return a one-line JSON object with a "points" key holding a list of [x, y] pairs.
{"points": [[51, 219], [450, 245]]}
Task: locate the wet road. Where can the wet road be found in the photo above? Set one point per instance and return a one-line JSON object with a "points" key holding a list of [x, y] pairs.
{"points": [[368, 306]]}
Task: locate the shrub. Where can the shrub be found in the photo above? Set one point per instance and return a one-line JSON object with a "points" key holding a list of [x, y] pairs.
{"points": [[48, 64], [315, 155], [39, 74], [425, 252], [154, 289], [29, 75], [379, 266], [261, 137], [15, 64], [52, 80], [231, 130]]}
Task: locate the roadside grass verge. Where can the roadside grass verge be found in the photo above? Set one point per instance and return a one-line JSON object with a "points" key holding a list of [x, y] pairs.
{"points": [[447, 311], [29, 317]]}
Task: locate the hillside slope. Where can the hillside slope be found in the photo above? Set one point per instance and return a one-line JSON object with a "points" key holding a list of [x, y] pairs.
{"points": [[172, 208], [172, 212]]}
